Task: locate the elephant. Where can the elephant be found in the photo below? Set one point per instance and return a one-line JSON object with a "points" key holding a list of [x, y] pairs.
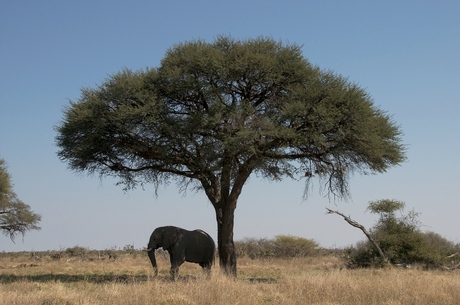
{"points": [[183, 246]]}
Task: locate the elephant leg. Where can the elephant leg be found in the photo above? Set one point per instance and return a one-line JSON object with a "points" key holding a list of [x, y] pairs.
{"points": [[206, 268], [174, 272], [176, 261], [151, 254]]}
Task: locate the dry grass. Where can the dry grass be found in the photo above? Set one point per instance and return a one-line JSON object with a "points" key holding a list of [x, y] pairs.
{"points": [[128, 280]]}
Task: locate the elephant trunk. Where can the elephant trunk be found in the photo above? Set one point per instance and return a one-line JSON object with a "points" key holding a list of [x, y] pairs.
{"points": [[151, 254]]}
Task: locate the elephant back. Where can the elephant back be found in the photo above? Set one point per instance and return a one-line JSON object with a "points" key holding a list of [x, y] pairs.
{"points": [[171, 236]]}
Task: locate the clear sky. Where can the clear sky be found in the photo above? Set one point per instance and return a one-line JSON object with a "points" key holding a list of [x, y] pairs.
{"points": [[406, 54]]}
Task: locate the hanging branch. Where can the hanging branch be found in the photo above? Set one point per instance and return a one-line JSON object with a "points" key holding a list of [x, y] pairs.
{"points": [[362, 228]]}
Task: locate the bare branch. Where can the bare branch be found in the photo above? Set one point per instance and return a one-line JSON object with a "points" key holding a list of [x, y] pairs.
{"points": [[362, 228]]}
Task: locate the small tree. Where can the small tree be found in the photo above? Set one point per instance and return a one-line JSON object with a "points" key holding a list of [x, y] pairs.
{"points": [[398, 239], [214, 113], [15, 216]]}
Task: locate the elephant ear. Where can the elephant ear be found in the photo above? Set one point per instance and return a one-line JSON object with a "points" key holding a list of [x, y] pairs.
{"points": [[170, 237]]}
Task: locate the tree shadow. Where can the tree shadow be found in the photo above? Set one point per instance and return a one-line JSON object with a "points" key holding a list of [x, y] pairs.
{"points": [[74, 278], [109, 278], [92, 278]]}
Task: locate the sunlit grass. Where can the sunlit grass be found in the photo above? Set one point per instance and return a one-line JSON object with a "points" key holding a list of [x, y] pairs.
{"points": [[129, 280]]}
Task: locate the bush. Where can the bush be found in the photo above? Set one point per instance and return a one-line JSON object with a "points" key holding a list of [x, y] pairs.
{"points": [[281, 246], [362, 255], [77, 251], [401, 240], [442, 251], [255, 248], [293, 246], [427, 249]]}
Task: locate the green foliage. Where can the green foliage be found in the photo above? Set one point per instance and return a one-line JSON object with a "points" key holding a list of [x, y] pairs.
{"points": [[282, 246], [428, 249], [400, 239], [386, 207], [443, 246], [5, 181], [362, 255], [212, 113], [15, 216]]}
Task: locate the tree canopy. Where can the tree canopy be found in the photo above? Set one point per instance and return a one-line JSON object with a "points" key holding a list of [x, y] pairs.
{"points": [[214, 113], [15, 216]]}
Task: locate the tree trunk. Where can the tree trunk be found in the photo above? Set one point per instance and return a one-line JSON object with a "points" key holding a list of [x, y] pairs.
{"points": [[225, 220]]}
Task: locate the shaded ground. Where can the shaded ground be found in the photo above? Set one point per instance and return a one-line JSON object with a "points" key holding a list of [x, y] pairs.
{"points": [[72, 278], [108, 278]]}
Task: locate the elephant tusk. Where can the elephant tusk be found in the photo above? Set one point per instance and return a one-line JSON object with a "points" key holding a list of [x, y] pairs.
{"points": [[148, 250]]}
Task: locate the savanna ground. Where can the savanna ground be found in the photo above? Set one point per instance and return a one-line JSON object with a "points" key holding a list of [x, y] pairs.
{"points": [[128, 279]]}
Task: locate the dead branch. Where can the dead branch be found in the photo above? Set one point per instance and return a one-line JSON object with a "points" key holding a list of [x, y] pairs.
{"points": [[362, 228], [451, 268]]}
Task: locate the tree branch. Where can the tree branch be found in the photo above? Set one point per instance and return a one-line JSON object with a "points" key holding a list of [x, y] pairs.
{"points": [[362, 228]]}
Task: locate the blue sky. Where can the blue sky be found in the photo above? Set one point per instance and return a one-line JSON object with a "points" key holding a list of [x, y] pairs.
{"points": [[406, 54]]}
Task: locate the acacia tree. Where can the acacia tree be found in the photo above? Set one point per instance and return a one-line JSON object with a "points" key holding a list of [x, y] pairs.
{"points": [[212, 114], [15, 216]]}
